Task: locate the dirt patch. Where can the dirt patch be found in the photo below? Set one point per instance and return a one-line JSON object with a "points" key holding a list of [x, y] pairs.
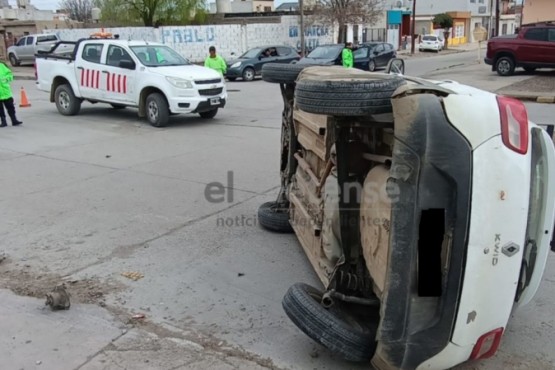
{"points": [[24, 281], [543, 83]]}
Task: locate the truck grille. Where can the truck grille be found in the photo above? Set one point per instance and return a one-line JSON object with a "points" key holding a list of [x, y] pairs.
{"points": [[208, 82], [211, 92]]}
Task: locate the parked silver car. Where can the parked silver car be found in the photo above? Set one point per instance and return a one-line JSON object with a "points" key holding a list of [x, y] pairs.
{"points": [[27, 46]]}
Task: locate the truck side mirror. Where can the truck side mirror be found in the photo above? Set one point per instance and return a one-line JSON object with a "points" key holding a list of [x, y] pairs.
{"points": [[127, 64]]}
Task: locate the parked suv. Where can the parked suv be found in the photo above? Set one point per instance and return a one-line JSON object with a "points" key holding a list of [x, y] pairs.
{"points": [[26, 47], [249, 65], [532, 47], [367, 56]]}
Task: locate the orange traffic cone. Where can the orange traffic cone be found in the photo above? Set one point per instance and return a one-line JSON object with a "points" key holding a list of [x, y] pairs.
{"points": [[24, 101]]}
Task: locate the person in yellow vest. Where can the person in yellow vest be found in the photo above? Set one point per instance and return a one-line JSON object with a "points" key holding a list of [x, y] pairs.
{"points": [[347, 55], [6, 96], [215, 62]]}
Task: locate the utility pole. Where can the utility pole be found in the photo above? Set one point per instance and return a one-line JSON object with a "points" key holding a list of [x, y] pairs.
{"points": [[413, 26], [301, 9], [497, 11]]}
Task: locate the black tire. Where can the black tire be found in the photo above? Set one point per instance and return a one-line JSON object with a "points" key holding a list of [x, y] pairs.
{"points": [[505, 66], [347, 98], [118, 106], [530, 69], [66, 101], [14, 61], [282, 73], [274, 219], [372, 66], [157, 110], [231, 79], [210, 114], [248, 74], [334, 328]]}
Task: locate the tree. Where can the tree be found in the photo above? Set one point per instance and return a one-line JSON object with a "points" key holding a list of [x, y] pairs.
{"points": [[79, 10], [444, 21], [344, 12], [152, 12]]}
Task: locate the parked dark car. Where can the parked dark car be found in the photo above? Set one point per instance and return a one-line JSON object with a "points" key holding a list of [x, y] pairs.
{"points": [[368, 56], [249, 65], [532, 47]]}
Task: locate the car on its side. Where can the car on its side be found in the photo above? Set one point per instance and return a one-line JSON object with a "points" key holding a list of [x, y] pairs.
{"points": [[431, 42], [367, 56], [531, 48], [249, 65]]}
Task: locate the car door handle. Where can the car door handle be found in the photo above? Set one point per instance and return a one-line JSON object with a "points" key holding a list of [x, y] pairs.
{"points": [[80, 68]]}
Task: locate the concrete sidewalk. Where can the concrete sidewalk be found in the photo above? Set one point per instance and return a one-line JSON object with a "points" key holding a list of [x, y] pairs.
{"points": [[451, 50], [89, 337]]}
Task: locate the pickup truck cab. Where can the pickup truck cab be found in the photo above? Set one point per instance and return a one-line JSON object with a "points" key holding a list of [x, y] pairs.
{"points": [[532, 47], [150, 76]]}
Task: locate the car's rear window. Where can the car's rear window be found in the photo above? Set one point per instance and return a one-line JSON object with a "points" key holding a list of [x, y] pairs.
{"points": [[429, 38], [326, 52]]}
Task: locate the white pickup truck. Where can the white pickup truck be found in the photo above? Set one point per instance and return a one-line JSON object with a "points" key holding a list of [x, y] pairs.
{"points": [[150, 76]]}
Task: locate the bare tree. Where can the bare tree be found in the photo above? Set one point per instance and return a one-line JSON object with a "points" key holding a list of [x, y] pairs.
{"points": [[344, 12], [79, 10]]}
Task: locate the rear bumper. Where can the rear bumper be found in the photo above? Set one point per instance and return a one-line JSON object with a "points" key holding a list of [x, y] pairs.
{"points": [[432, 167], [488, 61]]}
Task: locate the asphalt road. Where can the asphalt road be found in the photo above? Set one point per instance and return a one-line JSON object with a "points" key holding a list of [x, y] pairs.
{"points": [[99, 194]]}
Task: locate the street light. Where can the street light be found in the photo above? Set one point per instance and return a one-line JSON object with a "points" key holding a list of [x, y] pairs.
{"points": [[413, 26]]}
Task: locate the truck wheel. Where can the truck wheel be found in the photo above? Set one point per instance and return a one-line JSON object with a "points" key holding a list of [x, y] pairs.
{"points": [[505, 66], [13, 60], [282, 73], [274, 219], [335, 328], [66, 101], [210, 114], [157, 110], [347, 98]]}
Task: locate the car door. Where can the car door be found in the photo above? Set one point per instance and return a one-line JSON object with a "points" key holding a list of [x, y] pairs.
{"points": [[551, 45], [361, 58], [118, 75], [27, 50], [45, 43], [381, 56], [89, 70], [20, 47], [535, 48], [264, 58]]}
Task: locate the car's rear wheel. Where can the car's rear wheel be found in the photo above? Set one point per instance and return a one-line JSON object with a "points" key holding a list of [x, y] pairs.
{"points": [[248, 74], [505, 66], [347, 98], [336, 328], [273, 218], [66, 101], [210, 114], [372, 66], [14, 61], [157, 110]]}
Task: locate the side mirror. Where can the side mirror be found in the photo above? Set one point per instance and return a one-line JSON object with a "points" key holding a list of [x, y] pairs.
{"points": [[127, 64], [396, 66]]}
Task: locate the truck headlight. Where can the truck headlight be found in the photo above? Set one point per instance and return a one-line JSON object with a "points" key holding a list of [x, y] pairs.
{"points": [[180, 82], [235, 65]]}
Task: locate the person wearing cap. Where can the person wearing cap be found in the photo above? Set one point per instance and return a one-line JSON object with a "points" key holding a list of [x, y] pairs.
{"points": [[215, 62]]}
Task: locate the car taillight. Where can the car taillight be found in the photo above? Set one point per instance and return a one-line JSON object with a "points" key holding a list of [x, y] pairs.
{"points": [[514, 124], [487, 345]]}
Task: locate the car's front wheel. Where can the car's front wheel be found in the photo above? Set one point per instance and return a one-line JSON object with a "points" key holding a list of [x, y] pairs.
{"points": [[157, 110], [248, 74], [66, 101], [14, 61], [505, 66]]}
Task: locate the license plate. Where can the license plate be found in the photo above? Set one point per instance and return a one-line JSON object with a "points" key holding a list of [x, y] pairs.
{"points": [[215, 101]]}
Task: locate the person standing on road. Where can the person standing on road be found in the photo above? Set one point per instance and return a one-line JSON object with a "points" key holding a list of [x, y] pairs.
{"points": [[6, 96], [347, 55], [215, 62]]}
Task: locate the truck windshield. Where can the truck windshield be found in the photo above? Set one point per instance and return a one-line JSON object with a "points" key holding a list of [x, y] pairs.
{"points": [[158, 56]]}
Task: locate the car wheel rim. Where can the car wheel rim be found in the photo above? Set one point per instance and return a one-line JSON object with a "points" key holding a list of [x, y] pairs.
{"points": [[372, 66], [503, 66], [249, 74], [152, 111], [64, 100]]}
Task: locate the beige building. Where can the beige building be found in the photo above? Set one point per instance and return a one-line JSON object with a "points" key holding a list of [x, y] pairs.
{"points": [[242, 6], [538, 11]]}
